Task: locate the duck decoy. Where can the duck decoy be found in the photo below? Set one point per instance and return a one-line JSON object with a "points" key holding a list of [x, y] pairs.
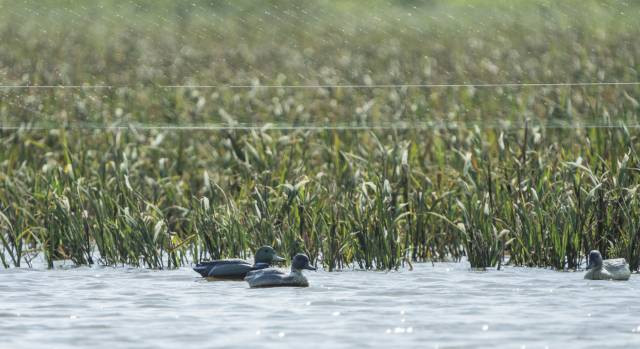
{"points": [[237, 269], [277, 278], [609, 269]]}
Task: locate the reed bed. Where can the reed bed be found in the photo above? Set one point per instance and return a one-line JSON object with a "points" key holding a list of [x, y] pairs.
{"points": [[126, 167]]}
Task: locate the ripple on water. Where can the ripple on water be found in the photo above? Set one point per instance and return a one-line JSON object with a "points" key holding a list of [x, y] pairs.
{"points": [[445, 304]]}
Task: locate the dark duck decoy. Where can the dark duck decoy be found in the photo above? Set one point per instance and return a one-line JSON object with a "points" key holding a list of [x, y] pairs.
{"points": [[277, 278], [237, 269]]}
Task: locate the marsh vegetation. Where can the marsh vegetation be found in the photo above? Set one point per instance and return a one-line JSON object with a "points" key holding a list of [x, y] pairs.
{"points": [[204, 129]]}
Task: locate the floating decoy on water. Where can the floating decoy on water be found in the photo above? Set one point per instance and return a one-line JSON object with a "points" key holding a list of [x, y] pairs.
{"points": [[277, 278], [609, 269], [237, 269]]}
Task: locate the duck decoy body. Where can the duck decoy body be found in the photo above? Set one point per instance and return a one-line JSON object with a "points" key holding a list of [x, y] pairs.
{"points": [[237, 269], [609, 269], [277, 278]]}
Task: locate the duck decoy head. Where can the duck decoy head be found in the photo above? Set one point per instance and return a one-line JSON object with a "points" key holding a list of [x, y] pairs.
{"points": [[595, 259], [266, 254], [301, 261]]}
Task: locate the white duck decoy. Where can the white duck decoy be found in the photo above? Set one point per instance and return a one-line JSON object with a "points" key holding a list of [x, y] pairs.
{"points": [[609, 269], [277, 278]]}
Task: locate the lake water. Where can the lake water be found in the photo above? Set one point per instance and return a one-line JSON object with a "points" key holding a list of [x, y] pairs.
{"points": [[441, 306]]}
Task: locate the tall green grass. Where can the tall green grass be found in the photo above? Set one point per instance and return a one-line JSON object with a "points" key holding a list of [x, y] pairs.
{"points": [[371, 177], [375, 206]]}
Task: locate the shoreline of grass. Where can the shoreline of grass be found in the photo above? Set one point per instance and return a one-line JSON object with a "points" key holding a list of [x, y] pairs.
{"points": [[366, 198]]}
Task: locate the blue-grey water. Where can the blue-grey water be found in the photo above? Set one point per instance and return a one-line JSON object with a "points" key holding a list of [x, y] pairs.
{"points": [[441, 306]]}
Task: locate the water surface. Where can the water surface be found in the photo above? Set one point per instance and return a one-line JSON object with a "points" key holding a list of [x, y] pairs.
{"points": [[441, 306]]}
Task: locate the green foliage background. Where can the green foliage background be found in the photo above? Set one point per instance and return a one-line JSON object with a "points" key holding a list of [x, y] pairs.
{"points": [[137, 172]]}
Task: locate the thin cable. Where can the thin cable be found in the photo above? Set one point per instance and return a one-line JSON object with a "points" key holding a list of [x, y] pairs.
{"points": [[542, 84], [55, 86], [354, 86], [292, 127]]}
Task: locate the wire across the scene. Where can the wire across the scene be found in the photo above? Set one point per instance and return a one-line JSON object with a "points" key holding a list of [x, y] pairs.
{"points": [[350, 86]]}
